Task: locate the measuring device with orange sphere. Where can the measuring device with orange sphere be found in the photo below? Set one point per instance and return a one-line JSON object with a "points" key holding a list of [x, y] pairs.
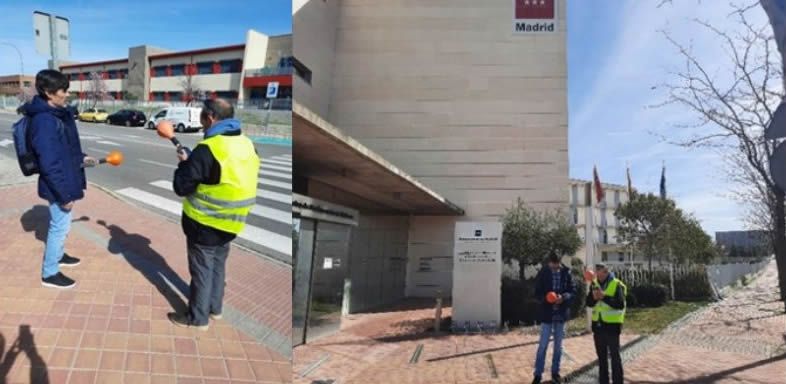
{"points": [[167, 131], [114, 158]]}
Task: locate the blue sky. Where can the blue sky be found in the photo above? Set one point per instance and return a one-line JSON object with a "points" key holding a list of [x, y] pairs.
{"points": [[616, 55], [102, 30]]}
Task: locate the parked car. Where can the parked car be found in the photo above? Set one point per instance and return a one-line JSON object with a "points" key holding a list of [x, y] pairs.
{"points": [[94, 115], [182, 118], [127, 117]]}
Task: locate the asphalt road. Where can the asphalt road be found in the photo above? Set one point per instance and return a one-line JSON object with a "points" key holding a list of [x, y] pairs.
{"points": [[145, 178]]}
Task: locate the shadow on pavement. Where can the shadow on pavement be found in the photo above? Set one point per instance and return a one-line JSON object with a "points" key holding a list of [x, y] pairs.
{"points": [[718, 376], [36, 220], [148, 262], [24, 343]]}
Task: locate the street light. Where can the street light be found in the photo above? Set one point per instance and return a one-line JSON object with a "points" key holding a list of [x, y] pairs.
{"points": [[21, 62]]}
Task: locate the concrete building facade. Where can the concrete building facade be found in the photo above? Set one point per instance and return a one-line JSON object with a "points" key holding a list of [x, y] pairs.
{"points": [[238, 72], [11, 85], [603, 234], [461, 108]]}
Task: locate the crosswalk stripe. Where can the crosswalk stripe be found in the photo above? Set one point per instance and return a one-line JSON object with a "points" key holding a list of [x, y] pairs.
{"points": [[277, 162], [263, 237], [280, 175], [157, 163], [276, 167], [274, 183], [285, 198], [107, 142], [258, 210]]}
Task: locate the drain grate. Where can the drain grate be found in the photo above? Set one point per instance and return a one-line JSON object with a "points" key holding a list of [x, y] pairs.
{"points": [[416, 355]]}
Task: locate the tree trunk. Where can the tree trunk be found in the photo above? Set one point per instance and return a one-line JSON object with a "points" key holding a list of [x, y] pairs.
{"points": [[780, 241], [521, 271]]}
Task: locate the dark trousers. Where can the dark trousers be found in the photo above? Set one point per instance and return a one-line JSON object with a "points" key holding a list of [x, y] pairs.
{"points": [[607, 342], [207, 265]]}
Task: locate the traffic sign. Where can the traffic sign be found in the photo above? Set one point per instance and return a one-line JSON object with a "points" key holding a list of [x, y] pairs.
{"points": [[272, 90]]}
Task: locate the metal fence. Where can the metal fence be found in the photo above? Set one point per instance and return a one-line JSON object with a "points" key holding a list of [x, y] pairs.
{"points": [[266, 118]]}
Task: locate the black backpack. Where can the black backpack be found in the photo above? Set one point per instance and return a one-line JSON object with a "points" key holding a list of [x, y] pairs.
{"points": [[23, 143]]}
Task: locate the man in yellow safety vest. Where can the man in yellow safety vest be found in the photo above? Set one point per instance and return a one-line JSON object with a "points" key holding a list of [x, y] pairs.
{"points": [[607, 300], [219, 182]]}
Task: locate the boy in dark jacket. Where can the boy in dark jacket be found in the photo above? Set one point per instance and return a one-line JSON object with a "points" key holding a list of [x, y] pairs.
{"points": [[61, 182], [555, 278]]}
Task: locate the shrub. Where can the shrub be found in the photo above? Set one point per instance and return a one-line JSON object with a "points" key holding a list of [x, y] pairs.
{"points": [[518, 301], [651, 295], [631, 300]]}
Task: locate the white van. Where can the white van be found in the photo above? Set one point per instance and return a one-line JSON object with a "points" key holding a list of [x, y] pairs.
{"points": [[182, 118]]}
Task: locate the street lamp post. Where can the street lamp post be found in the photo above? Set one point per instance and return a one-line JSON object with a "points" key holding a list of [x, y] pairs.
{"points": [[21, 62]]}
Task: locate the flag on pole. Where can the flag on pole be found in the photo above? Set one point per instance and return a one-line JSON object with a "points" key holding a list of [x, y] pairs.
{"points": [[630, 185], [599, 193], [663, 182]]}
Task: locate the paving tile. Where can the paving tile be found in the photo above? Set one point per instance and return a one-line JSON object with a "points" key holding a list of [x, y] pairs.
{"points": [[87, 359], [214, 368], [62, 358], [240, 370], [138, 362], [184, 346], [82, 377], [162, 364], [113, 361], [187, 366]]}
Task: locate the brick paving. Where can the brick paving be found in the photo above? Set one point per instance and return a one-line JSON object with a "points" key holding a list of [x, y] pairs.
{"points": [[741, 339], [377, 348], [112, 327]]}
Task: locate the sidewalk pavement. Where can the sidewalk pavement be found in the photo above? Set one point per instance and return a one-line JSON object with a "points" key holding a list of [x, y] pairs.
{"points": [[741, 339], [112, 327], [377, 348]]}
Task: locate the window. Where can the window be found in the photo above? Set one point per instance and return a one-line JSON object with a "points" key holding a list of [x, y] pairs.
{"points": [[162, 113], [621, 257], [604, 256], [604, 236], [285, 62], [574, 194], [158, 96], [123, 73], [230, 66], [227, 94], [175, 96], [204, 68], [575, 215], [301, 70], [178, 70], [26, 83], [159, 71]]}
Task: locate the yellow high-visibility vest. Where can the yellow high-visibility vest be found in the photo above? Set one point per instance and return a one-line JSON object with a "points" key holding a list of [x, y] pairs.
{"points": [[226, 205], [605, 313]]}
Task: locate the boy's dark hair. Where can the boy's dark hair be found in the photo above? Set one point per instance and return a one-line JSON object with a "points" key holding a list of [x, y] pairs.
{"points": [[50, 81], [554, 258]]}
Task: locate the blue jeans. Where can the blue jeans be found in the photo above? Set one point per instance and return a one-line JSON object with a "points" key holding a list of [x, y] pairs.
{"points": [[546, 329], [207, 265], [59, 225]]}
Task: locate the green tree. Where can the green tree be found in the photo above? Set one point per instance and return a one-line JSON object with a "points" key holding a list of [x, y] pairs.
{"points": [[660, 229], [689, 243], [643, 222], [529, 236]]}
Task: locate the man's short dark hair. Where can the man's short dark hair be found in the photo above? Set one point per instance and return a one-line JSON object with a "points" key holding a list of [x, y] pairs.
{"points": [[50, 81], [219, 108], [554, 258]]}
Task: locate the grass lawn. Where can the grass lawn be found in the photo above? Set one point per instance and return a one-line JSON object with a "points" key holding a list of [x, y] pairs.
{"points": [[645, 321]]}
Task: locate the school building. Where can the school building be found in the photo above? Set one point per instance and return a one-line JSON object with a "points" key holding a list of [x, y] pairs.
{"points": [[238, 72]]}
